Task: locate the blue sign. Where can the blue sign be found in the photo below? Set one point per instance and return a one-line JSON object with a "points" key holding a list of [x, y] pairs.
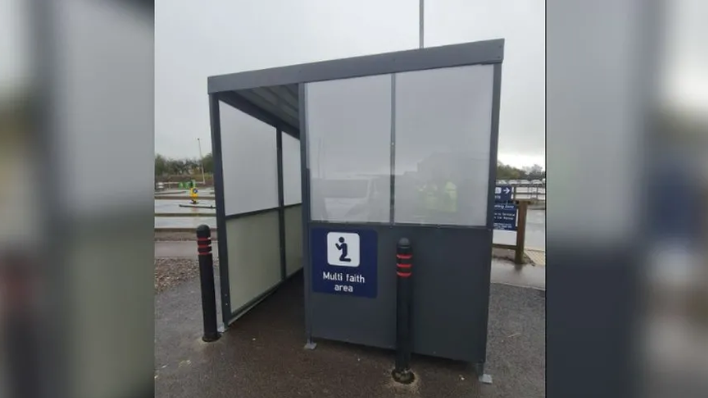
{"points": [[505, 216], [344, 262], [502, 193]]}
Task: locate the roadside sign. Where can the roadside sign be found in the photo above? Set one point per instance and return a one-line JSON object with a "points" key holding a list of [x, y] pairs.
{"points": [[505, 216], [344, 262], [502, 193]]}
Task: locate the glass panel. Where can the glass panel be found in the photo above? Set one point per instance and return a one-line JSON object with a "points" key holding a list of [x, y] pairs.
{"points": [[349, 149], [250, 162], [443, 129], [292, 176], [253, 245]]}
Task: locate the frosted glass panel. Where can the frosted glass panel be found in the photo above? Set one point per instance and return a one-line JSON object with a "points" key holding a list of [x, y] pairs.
{"points": [[443, 131], [349, 147], [292, 188], [250, 162], [253, 245]]}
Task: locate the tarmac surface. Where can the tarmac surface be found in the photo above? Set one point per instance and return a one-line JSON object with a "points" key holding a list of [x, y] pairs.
{"points": [[262, 355]]}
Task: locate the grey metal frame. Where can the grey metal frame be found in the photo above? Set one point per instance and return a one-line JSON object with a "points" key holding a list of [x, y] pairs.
{"points": [[229, 315], [281, 205], [224, 88], [215, 117], [481, 52]]}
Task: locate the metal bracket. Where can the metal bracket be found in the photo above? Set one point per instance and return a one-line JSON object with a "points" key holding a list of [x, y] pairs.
{"points": [[310, 345], [485, 379]]}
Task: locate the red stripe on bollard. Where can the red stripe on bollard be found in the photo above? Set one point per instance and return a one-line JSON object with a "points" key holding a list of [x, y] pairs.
{"points": [[404, 271]]}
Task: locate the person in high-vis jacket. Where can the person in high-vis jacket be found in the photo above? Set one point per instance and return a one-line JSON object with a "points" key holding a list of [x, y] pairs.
{"points": [[439, 200]]}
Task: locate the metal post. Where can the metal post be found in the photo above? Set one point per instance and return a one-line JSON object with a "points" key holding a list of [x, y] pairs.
{"points": [[206, 276], [404, 269], [281, 205], [421, 23], [201, 161], [523, 206]]}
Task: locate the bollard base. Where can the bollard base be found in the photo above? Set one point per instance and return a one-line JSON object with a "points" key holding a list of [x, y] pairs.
{"points": [[210, 339], [404, 376]]}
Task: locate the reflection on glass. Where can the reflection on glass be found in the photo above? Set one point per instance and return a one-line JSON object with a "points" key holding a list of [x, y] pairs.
{"points": [[352, 200], [349, 147], [443, 131]]}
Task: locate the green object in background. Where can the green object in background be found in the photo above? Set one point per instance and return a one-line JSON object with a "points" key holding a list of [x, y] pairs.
{"points": [[181, 185], [194, 184]]}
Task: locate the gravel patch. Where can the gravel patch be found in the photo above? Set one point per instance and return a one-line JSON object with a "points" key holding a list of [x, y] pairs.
{"points": [[170, 272], [506, 254]]}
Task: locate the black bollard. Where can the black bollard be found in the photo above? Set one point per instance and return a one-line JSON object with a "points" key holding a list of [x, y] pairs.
{"points": [[404, 294], [206, 276]]}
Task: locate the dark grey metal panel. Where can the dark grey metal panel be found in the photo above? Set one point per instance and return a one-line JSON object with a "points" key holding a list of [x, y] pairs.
{"points": [[481, 52], [237, 101], [215, 117], [256, 96], [494, 143], [287, 96], [451, 269]]}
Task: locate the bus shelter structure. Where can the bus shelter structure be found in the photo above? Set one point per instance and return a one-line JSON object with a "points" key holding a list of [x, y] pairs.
{"points": [[324, 167]]}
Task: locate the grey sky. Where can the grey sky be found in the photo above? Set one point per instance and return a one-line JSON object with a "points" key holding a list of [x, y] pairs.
{"points": [[195, 39]]}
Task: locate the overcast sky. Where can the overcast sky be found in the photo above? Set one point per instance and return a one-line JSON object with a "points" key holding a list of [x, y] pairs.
{"points": [[196, 39]]}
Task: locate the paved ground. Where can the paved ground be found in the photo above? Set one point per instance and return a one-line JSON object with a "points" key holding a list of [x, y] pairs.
{"points": [[538, 257], [506, 273], [262, 354]]}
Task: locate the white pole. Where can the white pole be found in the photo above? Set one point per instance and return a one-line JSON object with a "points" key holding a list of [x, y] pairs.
{"points": [[201, 161], [421, 23]]}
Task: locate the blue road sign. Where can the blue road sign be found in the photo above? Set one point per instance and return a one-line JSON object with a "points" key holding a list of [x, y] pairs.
{"points": [[502, 193], [505, 216], [344, 262]]}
